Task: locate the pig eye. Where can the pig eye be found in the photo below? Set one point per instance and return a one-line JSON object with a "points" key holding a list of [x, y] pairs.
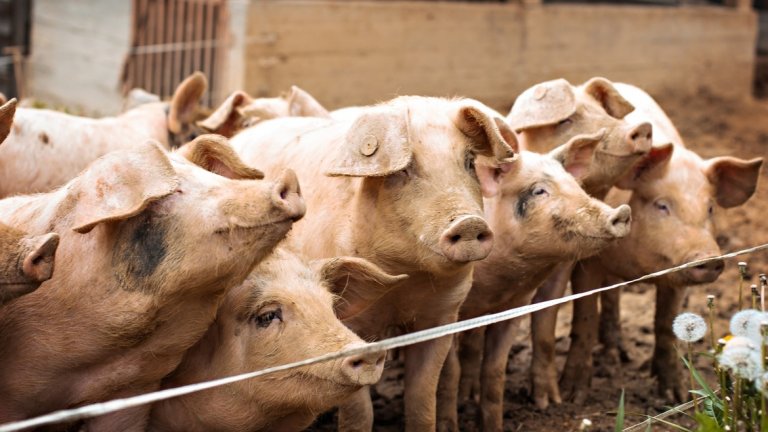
{"points": [[265, 319], [662, 206], [710, 209], [538, 191], [564, 122]]}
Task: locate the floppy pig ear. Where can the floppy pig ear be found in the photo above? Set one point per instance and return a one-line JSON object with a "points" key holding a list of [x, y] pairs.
{"points": [[544, 104], [186, 100], [39, 256], [302, 104], [648, 167], [357, 281], [490, 176], [576, 155], [735, 179], [490, 134], [213, 153], [377, 144], [121, 185], [606, 94], [7, 112], [227, 119]]}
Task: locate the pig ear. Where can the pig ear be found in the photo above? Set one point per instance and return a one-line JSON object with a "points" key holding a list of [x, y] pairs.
{"points": [[357, 281], [544, 104], [213, 153], [377, 144], [302, 104], [7, 112], [650, 166], [186, 101], [490, 134], [735, 179], [39, 257], [121, 185], [490, 175], [576, 155], [227, 119], [606, 94]]}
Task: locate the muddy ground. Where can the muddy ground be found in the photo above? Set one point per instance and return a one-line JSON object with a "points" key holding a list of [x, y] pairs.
{"points": [[711, 126]]}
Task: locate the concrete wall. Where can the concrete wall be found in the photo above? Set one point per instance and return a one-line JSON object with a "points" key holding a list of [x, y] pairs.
{"points": [[78, 48], [348, 53]]}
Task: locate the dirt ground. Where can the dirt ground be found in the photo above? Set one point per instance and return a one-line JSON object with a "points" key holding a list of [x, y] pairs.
{"points": [[713, 127]]}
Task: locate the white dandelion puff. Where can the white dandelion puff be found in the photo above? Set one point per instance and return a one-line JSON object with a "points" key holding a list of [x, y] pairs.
{"points": [[743, 361], [741, 321], [753, 327], [689, 327], [738, 342]]}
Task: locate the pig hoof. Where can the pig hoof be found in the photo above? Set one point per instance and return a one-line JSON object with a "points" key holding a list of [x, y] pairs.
{"points": [[543, 395], [447, 425], [574, 386]]}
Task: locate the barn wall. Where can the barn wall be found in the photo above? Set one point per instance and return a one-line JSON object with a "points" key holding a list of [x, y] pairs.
{"points": [[78, 48], [348, 53]]}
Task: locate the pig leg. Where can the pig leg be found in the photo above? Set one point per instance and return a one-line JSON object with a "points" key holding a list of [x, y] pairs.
{"points": [[543, 368], [498, 341], [447, 390], [610, 330], [356, 413], [470, 357], [577, 373], [665, 364], [423, 364]]}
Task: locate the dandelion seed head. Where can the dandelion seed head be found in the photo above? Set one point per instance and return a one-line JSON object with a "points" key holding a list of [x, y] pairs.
{"points": [[740, 321], [743, 361], [739, 342], [689, 327]]}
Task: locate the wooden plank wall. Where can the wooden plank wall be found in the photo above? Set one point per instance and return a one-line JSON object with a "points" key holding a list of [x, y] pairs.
{"points": [[348, 53], [78, 48]]}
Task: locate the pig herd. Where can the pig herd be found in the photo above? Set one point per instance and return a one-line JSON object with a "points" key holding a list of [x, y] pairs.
{"points": [[174, 244]]}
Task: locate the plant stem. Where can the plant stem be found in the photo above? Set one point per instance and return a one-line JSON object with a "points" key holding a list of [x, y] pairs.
{"points": [[690, 375]]}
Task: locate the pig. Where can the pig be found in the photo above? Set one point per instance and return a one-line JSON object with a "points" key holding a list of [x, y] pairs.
{"points": [[284, 312], [540, 216], [25, 261], [45, 148], [544, 116], [674, 195], [394, 184], [149, 244], [240, 110]]}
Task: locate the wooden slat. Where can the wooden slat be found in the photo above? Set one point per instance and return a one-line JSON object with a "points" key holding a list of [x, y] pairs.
{"points": [[209, 34], [194, 26], [170, 19]]}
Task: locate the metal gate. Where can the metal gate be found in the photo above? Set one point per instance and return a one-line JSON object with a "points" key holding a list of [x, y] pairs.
{"points": [[173, 38]]}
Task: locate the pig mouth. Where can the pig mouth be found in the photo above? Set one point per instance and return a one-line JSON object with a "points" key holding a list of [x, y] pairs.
{"points": [[241, 228]]}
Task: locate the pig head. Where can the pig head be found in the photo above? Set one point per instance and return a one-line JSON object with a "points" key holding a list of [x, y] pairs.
{"points": [[240, 110], [283, 313], [150, 243], [553, 112]]}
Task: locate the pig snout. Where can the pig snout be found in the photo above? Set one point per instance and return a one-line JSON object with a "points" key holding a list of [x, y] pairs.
{"points": [[619, 222], [468, 238], [286, 195], [363, 369], [640, 138], [703, 273]]}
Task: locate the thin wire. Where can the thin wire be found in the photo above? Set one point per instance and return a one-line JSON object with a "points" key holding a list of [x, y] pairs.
{"points": [[98, 409]]}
